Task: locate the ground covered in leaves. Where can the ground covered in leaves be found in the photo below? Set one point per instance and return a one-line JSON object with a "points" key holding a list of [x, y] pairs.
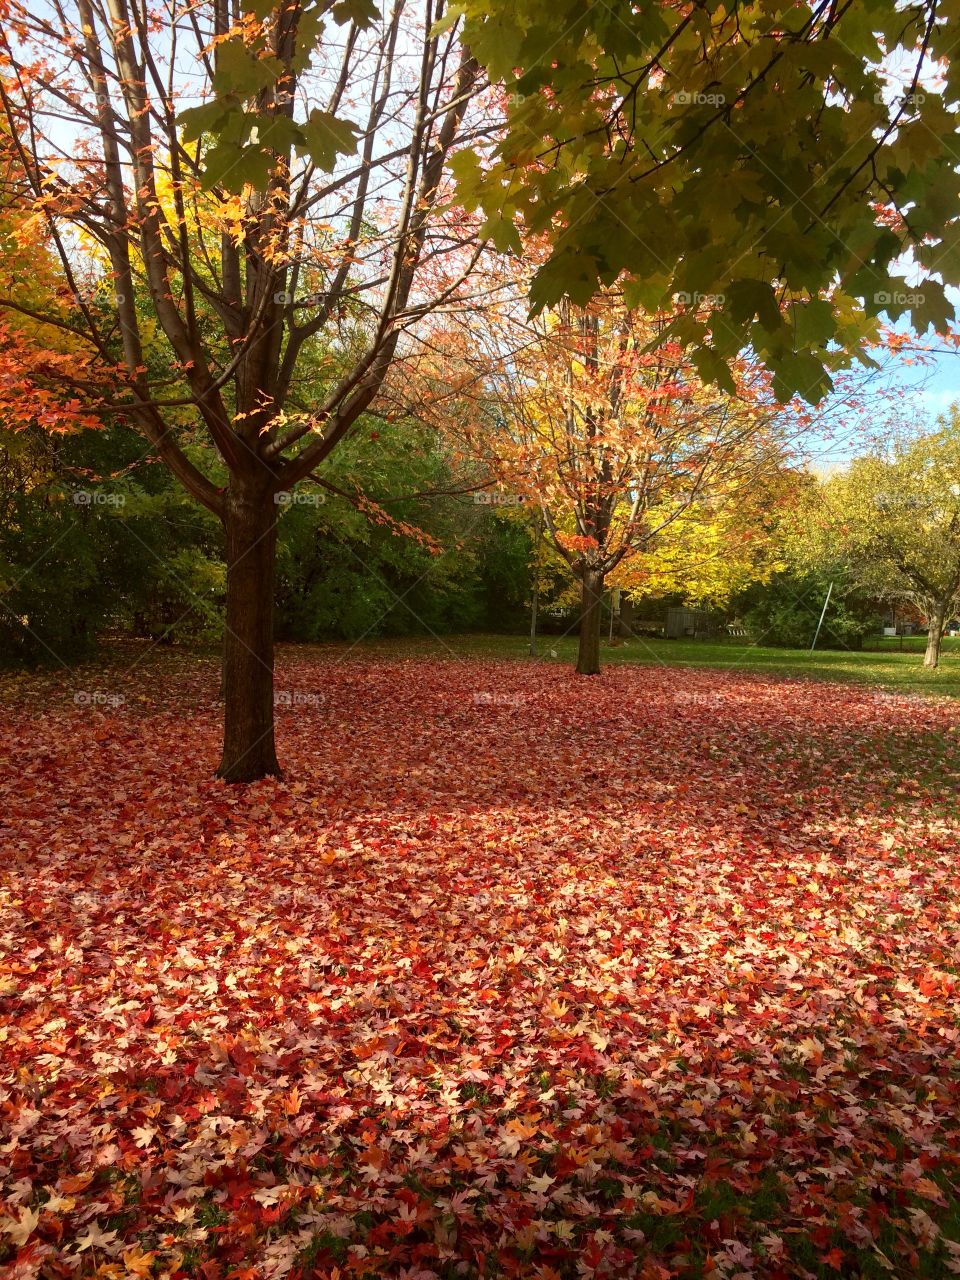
{"points": [[516, 974]]}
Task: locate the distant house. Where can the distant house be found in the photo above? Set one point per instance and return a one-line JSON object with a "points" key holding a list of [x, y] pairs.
{"points": [[902, 619]]}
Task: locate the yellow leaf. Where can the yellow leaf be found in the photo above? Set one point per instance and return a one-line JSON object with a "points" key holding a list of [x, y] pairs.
{"points": [[137, 1262]]}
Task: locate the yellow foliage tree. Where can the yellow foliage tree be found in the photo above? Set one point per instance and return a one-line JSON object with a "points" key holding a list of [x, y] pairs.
{"points": [[716, 549]]}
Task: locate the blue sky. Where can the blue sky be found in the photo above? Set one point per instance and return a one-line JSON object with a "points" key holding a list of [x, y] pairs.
{"points": [[936, 386], [920, 393]]}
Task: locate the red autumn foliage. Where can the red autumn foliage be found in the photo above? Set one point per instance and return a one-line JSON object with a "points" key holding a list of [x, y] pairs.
{"points": [[648, 976]]}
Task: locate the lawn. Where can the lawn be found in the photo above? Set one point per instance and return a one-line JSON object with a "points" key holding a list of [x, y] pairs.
{"points": [[514, 975], [882, 662]]}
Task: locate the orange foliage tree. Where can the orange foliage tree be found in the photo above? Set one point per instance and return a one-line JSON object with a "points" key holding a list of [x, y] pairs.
{"points": [[601, 421]]}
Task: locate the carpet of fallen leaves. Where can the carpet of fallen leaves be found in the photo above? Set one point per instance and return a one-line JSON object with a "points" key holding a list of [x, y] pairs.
{"points": [[515, 974]]}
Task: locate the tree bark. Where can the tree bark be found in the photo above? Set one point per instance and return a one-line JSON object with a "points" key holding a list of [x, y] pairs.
{"points": [[591, 610], [250, 520], [936, 622]]}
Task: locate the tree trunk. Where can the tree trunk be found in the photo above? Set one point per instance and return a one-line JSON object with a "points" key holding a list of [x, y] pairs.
{"points": [[250, 520], [591, 610], [936, 622]]}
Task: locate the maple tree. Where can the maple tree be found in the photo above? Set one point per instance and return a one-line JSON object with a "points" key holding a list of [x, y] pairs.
{"points": [[647, 142], [688, 1008], [894, 515], [603, 424], [254, 268]]}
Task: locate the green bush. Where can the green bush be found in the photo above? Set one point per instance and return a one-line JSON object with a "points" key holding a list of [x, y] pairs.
{"points": [[785, 612]]}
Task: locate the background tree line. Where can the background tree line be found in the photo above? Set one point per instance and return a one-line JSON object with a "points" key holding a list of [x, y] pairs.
{"points": [[401, 539], [95, 541]]}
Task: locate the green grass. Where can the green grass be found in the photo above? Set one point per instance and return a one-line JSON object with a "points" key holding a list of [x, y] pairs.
{"points": [[881, 663]]}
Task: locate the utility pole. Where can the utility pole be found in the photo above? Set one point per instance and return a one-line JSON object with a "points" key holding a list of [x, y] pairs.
{"points": [[823, 614]]}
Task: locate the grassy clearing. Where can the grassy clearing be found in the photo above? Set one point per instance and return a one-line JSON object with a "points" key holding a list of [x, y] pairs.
{"points": [[882, 664]]}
